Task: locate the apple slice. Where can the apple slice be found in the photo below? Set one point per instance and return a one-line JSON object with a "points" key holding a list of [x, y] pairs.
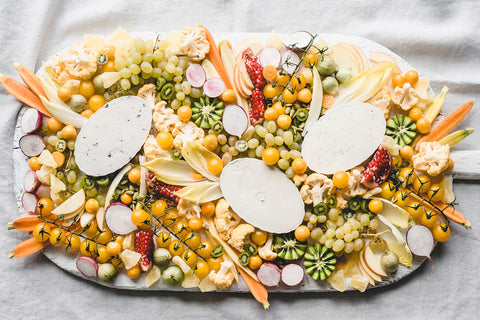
{"points": [[382, 56], [367, 269], [72, 204], [361, 55], [357, 53], [243, 75], [372, 262], [344, 57], [238, 82], [252, 43], [361, 267]]}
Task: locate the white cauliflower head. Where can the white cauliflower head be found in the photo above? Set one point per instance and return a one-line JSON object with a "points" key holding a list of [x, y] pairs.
{"points": [[148, 93], [185, 132], [224, 277], [188, 209], [299, 179], [404, 97], [383, 101], [164, 119], [239, 234], [225, 219], [194, 43], [152, 150], [265, 252], [432, 158], [315, 187], [354, 187]]}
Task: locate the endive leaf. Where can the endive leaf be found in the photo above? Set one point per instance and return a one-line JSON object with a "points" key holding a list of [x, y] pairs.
{"points": [[394, 214], [395, 242], [197, 157], [316, 103], [199, 191], [174, 172]]}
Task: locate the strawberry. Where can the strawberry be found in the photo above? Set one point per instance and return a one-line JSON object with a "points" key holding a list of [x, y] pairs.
{"points": [[254, 70], [144, 245], [378, 169]]}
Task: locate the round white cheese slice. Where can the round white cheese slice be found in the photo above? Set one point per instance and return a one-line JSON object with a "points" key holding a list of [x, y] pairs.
{"points": [[262, 195], [343, 138], [113, 135]]}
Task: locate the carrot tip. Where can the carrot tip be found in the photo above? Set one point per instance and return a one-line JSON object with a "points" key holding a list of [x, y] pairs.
{"points": [[16, 64], [10, 255], [467, 225], [10, 226], [266, 305]]}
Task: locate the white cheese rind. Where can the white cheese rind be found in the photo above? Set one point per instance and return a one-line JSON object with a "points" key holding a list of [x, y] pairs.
{"points": [[262, 195], [343, 138], [113, 135]]}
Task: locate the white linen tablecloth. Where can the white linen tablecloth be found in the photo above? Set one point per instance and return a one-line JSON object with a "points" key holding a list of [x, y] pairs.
{"points": [[439, 38]]}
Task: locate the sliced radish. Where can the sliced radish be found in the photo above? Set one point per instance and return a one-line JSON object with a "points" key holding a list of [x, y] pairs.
{"points": [[270, 56], [214, 87], [118, 218], [31, 120], [43, 191], [298, 40], [30, 181], [29, 202], [87, 266], [269, 274], [290, 61], [235, 120], [420, 241], [292, 274], [196, 75], [31, 145]]}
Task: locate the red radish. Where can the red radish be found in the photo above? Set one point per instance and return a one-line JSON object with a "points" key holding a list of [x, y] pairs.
{"points": [[29, 203], [118, 218], [234, 120], [270, 56], [290, 61], [43, 191], [292, 274], [31, 145], [31, 120], [195, 75], [269, 274], [87, 266], [420, 241], [214, 87], [30, 181], [298, 40]]}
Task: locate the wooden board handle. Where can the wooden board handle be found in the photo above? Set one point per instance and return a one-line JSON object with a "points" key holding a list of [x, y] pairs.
{"points": [[466, 164]]}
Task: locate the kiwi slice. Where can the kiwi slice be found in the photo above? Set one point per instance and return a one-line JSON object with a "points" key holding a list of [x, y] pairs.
{"points": [[402, 129]]}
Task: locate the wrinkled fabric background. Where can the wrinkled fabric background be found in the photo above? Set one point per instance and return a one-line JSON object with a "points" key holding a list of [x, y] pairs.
{"points": [[439, 38]]}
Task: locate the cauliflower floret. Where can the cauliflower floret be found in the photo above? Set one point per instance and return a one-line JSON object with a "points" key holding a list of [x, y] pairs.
{"points": [[44, 173], [265, 252], [354, 187], [164, 119], [432, 157], [225, 219], [383, 101], [74, 85], [421, 92], [238, 235], [404, 97], [148, 93], [194, 43], [315, 187], [224, 277], [185, 132], [188, 209], [78, 62], [391, 146], [341, 202], [152, 150], [299, 179]]}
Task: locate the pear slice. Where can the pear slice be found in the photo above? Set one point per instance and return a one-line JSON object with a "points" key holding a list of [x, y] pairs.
{"points": [[367, 269], [72, 204], [372, 262], [364, 272]]}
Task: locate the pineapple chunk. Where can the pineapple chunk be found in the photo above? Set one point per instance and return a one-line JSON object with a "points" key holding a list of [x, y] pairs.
{"points": [[190, 280], [359, 282], [207, 285], [130, 258], [337, 280], [153, 276], [129, 242]]}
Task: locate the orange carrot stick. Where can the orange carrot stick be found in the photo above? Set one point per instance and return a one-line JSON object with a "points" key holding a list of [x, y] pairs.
{"points": [[25, 223], [256, 288], [23, 94], [27, 247], [30, 79], [447, 124], [216, 59]]}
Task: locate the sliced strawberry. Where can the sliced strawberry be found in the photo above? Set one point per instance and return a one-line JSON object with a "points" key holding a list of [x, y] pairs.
{"points": [[378, 169], [144, 245]]}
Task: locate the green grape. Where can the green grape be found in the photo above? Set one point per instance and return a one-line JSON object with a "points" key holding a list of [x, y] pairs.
{"points": [[139, 45], [120, 63], [173, 60], [182, 63], [178, 71], [158, 55], [196, 93], [316, 233], [91, 192], [59, 134], [322, 219], [285, 154], [146, 67], [167, 76], [156, 72], [146, 75], [134, 79], [338, 245], [177, 79], [232, 140], [329, 243], [100, 199], [289, 173], [323, 239], [288, 137], [333, 215], [295, 146], [355, 234], [271, 126], [365, 220], [349, 247], [358, 244], [149, 46], [125, 84], [71, 176], [283, 164], [180, 95], [71, 144], [186, 87], [340, 221], [135, 69], [170, 68], [187, 101], [347, 228], [278, 140], [373, 225], [348, 237], [233, 151], [177, 87], [253, 143], [137, 58], [225, 148], [280, 132], [331, 225], [294, 154], [307, 215], [222, 139], [261, 131], [125, 73], [52, 140], [269, 139], [162, 65], [259, 151], [251, 153], [148, 57], [312, 219], [175, 104], [129, 61]]}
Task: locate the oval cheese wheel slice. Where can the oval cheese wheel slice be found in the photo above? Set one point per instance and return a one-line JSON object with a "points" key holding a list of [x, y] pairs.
{"points": [[343, 138], [262, 195], [113, 135]]}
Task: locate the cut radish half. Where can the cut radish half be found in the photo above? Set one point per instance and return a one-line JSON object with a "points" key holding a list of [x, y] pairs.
{"points": [[31, 120], [195, 75], [29, 202], [30, 181], [87, 266], [269, 274], [290, 61], [214, 87], [420, 241], [43, 191], [298, 40], [292, 274], [270, 56], [118, 218], [31, 145], [235, 120]]}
